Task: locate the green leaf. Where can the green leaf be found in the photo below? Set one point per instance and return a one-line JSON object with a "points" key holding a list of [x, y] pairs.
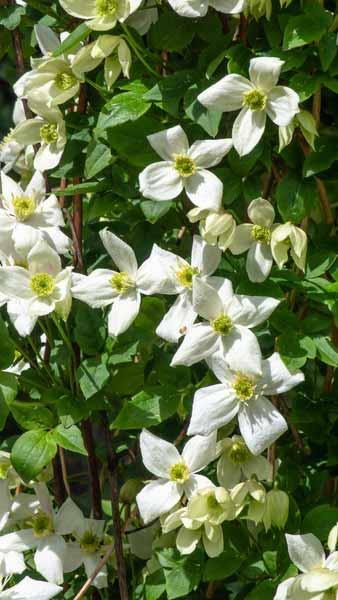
{"points": [[181, 580], [155, 585], [171, 32], [154, 210], [263, 591], [75, 37], [31, 415], [69, 438], [168, 92], [305, 85], [306, 28], [221, 567], [320, 521], [149, 407], [295, 197], [124, 107], [7, 348], [291, 351], [92, 375], [327, 49], [89, 187], [8, 387], [120, 137], [98, 158], [209, 120], [326, 350], [31, 452], [90, 329], [10, 16], [324, 157]]}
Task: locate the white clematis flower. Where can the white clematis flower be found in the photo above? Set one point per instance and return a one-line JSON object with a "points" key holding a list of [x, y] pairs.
{"points": [[47, 129], [243, 395], [178, 473], [199, 8], [144, 18], [230, 318], [257, 97], [30, 589], [237, 463], [122, 290], [45, 535], [110, 48], [184, 168], [319, 575], [27, 217], [43, 286], [285, 238], [172, 274], [217, 228], [100, 15]]}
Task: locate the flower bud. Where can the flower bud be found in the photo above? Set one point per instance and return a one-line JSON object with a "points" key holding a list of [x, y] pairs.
{"points": [[129, 490], [289, 237], [276, 509]]}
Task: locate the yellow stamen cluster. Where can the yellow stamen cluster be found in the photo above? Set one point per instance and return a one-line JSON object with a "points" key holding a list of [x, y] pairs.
{"points": [[24, 207], [179, 473], [244, 387], [261, 234], [185, 276], [255, 100], [121, 282], [48, 133], [42, 284], [222, 324], [106, 8], [42, 525], [184, 165], [239, 453], [64, 81], [89, 542]]}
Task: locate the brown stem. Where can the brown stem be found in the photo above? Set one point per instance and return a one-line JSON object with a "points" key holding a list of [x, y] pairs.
{"points": [[77, 201], [316, 106], [58, 485], [114, 491], [87, 434], [90, 580], [211, 589], [64, 470]]}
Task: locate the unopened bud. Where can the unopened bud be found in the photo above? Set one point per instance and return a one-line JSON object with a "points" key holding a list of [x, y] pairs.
{"points": [[129, 490], [277, 509]]}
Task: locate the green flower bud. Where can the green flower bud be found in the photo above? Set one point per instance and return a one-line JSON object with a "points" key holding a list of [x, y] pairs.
{"points": [[129, 490], [276, 510]]}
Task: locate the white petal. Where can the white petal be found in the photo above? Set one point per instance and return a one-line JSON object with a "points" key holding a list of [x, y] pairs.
{"points": [[49, 557], [319, 581], [213, 407], [305, 551], [217, 363], [18, 313], [282, 105], [259, 262], [31, 589], [199, 342], [25, 237], [169, 142], [277, 378], [13, 563], [178, 319], [77, 8], [248, 129], [191, 8], [37, 185], [264, 71], [228, 7], [228, 473], [241, 351], [158, 455], [123, 312], [14, 283], [160, 181], [90, 562], [10, 189], [209, 153], [43, 259], [157, 498], [205, 257], [46, 38], [67, 517], [121, 253], [196, 482], [199, 451], [261, 212], [204, 189], [18, 541], [206, 300], [94, 289], [260, 423], [283, 588], [5, 502], [255, 309], [187, 540], [213, 540], [227, 94], [157, 275], [47, 157], [242, 239], [259, 466]]}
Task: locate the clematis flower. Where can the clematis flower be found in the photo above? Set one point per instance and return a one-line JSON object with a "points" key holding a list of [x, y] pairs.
{"points": [[28, 589], [199, 8], [201, 519], [17, 309], [144, 18], [216, 228], [10, 149], [285, 238], [178, 473], [184, 168], [45, 535], [257, 97], [122, 290], [43, 286], [237, 463], [306, 123], [110, 48], [227, 329], [243, 394], [171, 274], [101, 15], [27, 217], [249, 496], [319, 575], [47, 129]]}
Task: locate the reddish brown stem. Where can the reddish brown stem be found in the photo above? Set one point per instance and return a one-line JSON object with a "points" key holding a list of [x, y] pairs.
{"points": [[88, 439]]}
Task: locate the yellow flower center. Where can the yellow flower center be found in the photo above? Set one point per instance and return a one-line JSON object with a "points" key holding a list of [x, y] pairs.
{"points": [[222, 324], [106, 8], [64, 81], [184, 165], [179, 473], [261, 234], [90, 542], [42, 284], [42, 525], [239, 453], [185, 276], [24, 207], [255, 100], [48, 133], [244, 387], [212, 502], [121, 282]]}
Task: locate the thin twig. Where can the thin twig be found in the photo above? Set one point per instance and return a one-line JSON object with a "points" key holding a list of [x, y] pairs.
{"points": [[90, 579], [87, 434], [58, 485], [64, 470]]}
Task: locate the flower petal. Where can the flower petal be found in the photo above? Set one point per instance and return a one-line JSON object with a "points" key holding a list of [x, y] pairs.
{"points": [[228, 473], [213, 540], [77, 8], [158, 274], [253, 310], [18, 541], [49, 557], [178, 319], [94, 289], [121, 253], [259, 262], [206, 300], [204, 189], [248, 129], [305, 551], [15, 283], [187, 540], [261, 212], [47, 157], [229, 7], [90, 562], [260, 423], [205, 257], [209, 153], [31, 589], [277, 378], [259, 466], [319, 580], [169, 142], [242, 239], [196, 482], [200, 451], [240, 349], [264, 71], [157, 498], [43, 259], [213, 407], [158, 455], [282, 105], [227, 94], [123, 312], [160, 181]]}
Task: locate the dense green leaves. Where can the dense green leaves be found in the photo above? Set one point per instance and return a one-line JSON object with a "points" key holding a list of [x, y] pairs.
{"points": [[32, 452]]}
